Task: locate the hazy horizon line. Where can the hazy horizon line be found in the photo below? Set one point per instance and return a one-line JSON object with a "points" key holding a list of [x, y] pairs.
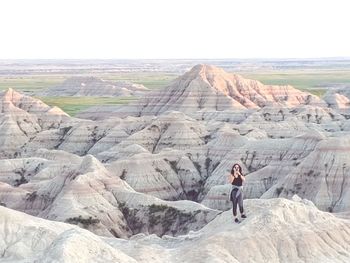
{"points": [[154, 59]]}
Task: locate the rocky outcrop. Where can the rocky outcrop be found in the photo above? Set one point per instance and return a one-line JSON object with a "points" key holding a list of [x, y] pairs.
{"points": [[165, 173], [32, 239], [173, 156], [265, 161], [276, 230], [208, 88], [322, 177], [83, 192], [22, 118], [339, 99]]}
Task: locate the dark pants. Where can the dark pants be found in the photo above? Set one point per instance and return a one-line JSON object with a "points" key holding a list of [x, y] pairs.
{"points": [[237, 200]]}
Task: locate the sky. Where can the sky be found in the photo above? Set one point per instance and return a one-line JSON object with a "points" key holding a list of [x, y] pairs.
{"points": [[161, 29]]}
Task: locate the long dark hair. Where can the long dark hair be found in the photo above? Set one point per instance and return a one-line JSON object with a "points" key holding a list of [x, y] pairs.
{"points": [[233, 169]]}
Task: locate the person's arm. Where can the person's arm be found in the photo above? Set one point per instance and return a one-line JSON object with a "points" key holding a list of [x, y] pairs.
{"points": [[230, 178], [241, 175]]}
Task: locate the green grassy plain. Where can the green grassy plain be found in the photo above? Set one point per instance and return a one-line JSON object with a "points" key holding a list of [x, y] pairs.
{"points": [[29, 83], [40, 82], [314, 81], [73, 105]]}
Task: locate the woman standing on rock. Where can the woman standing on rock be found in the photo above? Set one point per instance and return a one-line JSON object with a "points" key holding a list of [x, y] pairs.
{"points": [[236, 194]]}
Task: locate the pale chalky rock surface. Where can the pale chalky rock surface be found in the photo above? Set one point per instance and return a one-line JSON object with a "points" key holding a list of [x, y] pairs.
{"points": [[22, 118], [338, 99], [291, 231], [212, 89], [85, 193], [153, 187], [26, 238], [322, 177]]}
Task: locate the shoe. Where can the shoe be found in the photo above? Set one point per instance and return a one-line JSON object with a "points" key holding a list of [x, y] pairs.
{"points": [[236, 220], [243, 216]]}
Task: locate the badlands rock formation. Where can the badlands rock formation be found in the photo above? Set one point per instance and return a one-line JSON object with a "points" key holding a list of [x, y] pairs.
{"points": [[26, 238], [158, 181], [210, 88], [276, 230], [339, 99], [22, 118], [92, 86], [327, 185], [173, 156], [83, 192]]}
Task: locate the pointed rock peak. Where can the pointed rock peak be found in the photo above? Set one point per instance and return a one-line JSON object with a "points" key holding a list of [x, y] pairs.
{"points": [[12, 98], [209, 88], [11, 95], [312, 134], [213, 74], [91, 164], [206, 69], [57, 111], [135, 148], [9, 90]]}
